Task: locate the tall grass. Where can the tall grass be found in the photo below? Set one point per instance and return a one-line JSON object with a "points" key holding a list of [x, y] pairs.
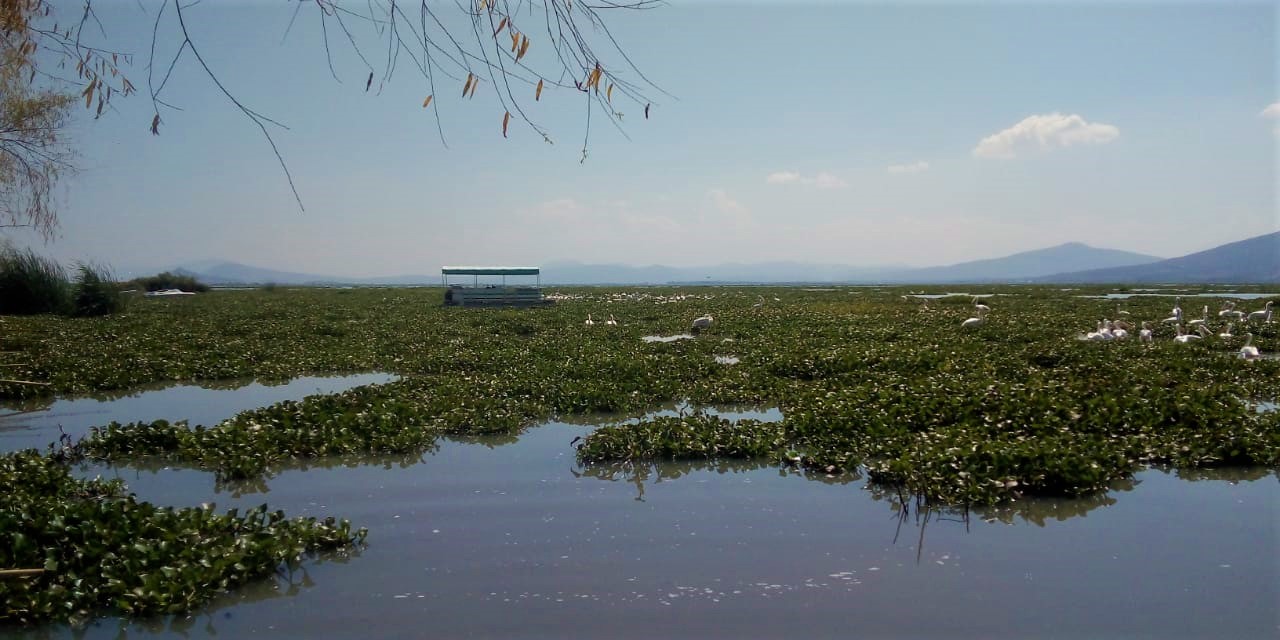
{"points": [[31, 284], [96, 292]]}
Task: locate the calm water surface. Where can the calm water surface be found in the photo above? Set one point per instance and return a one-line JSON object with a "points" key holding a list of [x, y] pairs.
{"points": [[508, 537], [34, 423]]}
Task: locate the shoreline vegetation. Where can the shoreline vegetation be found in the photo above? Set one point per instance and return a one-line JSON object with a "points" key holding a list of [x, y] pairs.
{"points": [[867, 378]]}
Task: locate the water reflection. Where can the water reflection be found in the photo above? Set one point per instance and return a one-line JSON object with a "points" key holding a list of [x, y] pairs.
{"points": [[488, 539], [1211, 294], [35, 423], [671, 338], [284, 584]]}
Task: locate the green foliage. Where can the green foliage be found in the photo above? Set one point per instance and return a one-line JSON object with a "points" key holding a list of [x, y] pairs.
{"points": [[95, 292], [103, 551], [866, 381], [31, 284], [167, 280]]}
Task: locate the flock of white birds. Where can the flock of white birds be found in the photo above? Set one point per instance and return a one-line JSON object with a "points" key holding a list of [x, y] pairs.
{"points": [[1120, 329], [1106, 329]]}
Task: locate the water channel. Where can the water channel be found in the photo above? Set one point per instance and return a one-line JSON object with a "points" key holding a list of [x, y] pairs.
{"points": [[508, 536]]}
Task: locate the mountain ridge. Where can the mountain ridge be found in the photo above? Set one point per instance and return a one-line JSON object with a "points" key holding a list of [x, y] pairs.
{"points": [[1250, 260]]}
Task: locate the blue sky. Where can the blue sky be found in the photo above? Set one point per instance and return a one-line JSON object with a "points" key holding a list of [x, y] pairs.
{"points": [[834, 132]]}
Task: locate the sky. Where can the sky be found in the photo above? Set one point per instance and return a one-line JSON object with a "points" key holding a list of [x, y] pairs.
{"points": [[857, 133]]}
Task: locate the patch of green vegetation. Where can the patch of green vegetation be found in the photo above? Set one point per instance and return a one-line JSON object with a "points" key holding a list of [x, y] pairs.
{"points": [[866, 377], [103, 551]]}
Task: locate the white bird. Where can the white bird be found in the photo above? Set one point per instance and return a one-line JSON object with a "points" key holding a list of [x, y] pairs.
{"points": [[979, 306], [1248, 351], [1176, 318], [1119, 311], [1231, 311], [760, 302], [589, 322], [1185, 337], [1145, 334], [1204, 331], [1263, 315], [703, 322], [1201, 320], [1226, 333], [1116, 332], [1103, 333], [611, 322], [975, 322]]}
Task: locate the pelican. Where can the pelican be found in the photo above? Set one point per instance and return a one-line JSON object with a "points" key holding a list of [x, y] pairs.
{"points": [[1185, 337], [703, 322], [979, 306], [1204, 331], [1176, 318], [1116, 331], [1201, 320], [1226, 333], [760, 301], [1119, 311], [611, 322], [589, 322], [1263, 315], [1248, 351], [1103, 333], [1145, 334], [975, 322], [1231, 311]]}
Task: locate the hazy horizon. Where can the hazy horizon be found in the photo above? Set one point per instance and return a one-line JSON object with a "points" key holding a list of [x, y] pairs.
{"points": [[858, 134]]}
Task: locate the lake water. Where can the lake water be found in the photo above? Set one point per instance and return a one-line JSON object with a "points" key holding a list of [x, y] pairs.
{"points": [[508, 537], [1214, 294], [34, 423]]}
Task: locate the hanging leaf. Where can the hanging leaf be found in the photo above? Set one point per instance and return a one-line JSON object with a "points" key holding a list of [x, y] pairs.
{"points": [[88, 93], [368, 83], [467, 87], [155, 125], [608, 94], [646, 112], [501, 25], [426, 102], [537, 93], [515, 40], [474, 85], [505, 119], [524, 48]]}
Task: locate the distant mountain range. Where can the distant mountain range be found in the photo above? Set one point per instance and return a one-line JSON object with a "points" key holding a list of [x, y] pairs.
{"points": [[1253, 260]]}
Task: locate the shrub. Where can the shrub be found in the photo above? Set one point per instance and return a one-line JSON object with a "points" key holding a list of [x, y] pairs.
{"points": [[96, 292], [31, 284], [168, 280]]}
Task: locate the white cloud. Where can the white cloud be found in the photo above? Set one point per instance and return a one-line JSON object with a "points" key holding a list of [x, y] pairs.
{"points": [[1272, 111], [724, 202], [824, 179], [914, 167], [1044, 132]]}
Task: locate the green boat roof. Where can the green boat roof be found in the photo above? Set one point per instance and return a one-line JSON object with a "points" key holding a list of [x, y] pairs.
{"points": [[489, 271]]}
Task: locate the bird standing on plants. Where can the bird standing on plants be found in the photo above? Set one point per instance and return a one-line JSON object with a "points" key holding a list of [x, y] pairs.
{"points": [[1263, 315], [611, 322], [973, 323], [702, 322], [589, 322], [1248, 351]]}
